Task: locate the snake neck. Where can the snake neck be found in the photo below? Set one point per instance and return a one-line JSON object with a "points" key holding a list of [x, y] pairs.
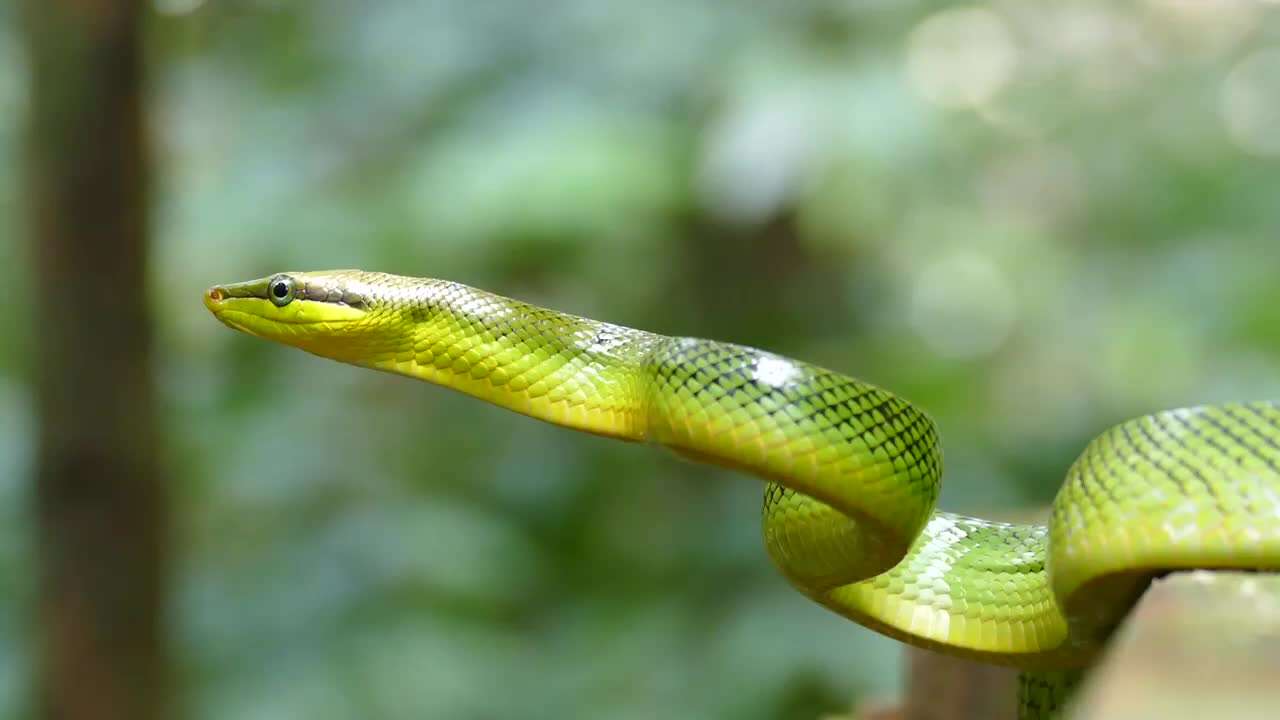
{"points": [[564, 369]]}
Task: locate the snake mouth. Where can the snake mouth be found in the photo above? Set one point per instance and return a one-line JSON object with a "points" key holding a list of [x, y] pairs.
{"points": [[247, 307]]}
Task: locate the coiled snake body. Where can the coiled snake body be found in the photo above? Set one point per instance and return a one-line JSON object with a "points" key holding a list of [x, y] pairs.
{"points": [[853, 471]]}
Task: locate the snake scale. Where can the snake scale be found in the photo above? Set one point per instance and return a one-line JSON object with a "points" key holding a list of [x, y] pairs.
{"points": [[853, 471]]}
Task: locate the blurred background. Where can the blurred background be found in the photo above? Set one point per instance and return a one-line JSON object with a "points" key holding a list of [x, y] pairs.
{"points": [[1032, 219]]}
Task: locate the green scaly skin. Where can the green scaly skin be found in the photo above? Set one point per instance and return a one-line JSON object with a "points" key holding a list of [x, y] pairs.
{"points": [[853, 471]]}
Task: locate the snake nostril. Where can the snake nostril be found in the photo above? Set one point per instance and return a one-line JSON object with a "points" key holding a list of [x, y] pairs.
{"points": [[216, 293]]}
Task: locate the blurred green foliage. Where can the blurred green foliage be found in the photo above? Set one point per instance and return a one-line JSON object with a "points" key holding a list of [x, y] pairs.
{"points": [[1032, 219]]}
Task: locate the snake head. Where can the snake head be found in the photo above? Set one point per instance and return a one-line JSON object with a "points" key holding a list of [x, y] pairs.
{"points": [[330, 313]]}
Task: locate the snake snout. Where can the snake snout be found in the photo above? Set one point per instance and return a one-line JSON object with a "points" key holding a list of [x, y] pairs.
{"points": [[214, 297]]}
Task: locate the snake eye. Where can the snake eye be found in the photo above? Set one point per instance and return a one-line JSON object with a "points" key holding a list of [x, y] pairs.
{"points": [[281, 290]]}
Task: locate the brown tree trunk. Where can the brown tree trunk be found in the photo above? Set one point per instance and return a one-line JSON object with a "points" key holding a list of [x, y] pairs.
{"points": [[100, 499]]}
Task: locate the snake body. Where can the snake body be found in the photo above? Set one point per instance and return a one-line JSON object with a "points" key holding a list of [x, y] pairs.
{"points": [[853, 471]]}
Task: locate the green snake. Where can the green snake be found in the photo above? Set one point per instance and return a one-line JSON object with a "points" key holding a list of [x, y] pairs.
{"points": [[852, 471]]}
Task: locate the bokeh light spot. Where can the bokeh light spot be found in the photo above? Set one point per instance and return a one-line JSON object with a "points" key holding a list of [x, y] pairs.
{"points": [[755, 158], [1251, 103], [177, 7], [1206, 27], [963, 306], [961, 58]]}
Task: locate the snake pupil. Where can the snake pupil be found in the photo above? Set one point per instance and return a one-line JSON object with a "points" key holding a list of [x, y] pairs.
{"points": [[280, 290]]}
